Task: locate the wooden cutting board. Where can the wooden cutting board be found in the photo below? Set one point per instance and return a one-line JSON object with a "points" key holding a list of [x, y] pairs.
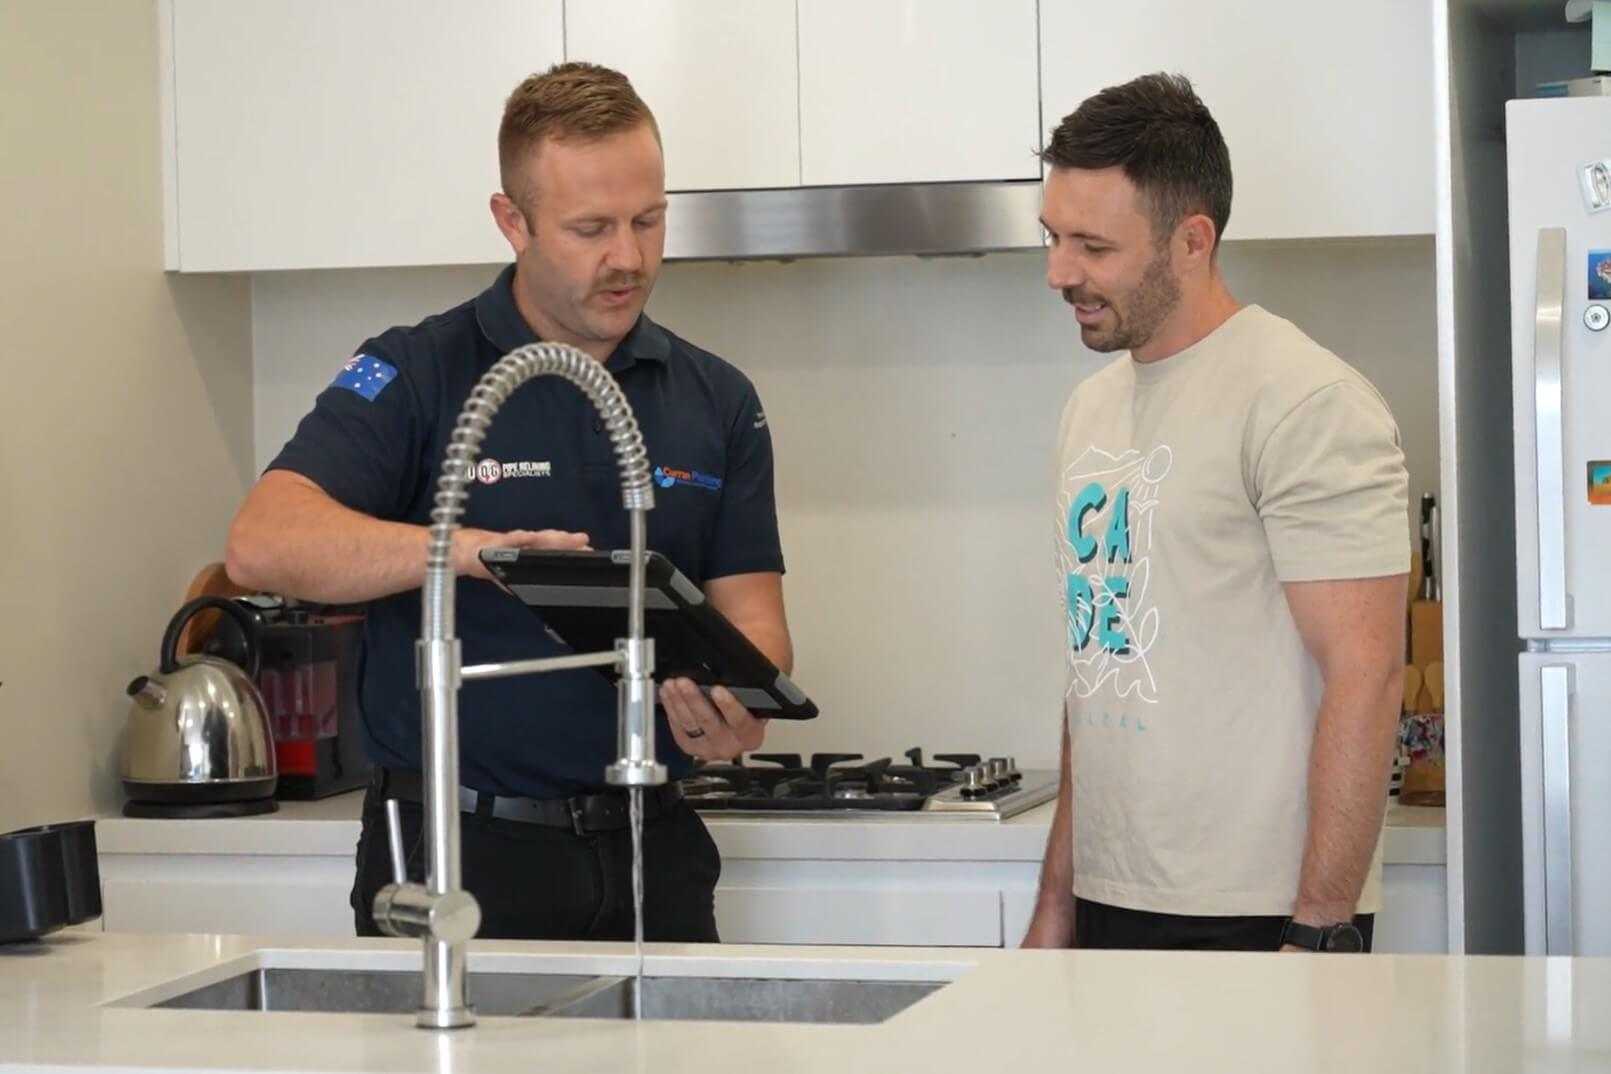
{"points": [[1426, 632], [1412, 688], [1432, 680]]}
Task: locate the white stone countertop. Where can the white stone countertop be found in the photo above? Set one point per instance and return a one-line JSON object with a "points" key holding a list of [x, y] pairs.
{"points": [[65, 1005], [329, 827]]}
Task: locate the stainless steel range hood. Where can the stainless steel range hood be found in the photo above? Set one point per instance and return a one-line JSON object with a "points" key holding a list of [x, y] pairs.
{"points": [[854, 221]]}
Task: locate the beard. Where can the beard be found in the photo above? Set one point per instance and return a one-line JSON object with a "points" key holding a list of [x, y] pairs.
{"points": [[1137, 316]]}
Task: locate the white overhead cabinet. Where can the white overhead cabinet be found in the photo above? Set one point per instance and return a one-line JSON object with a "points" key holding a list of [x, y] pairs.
{"points": [[304, 134], [1327, 108], [720, 76], [900, 91], [307, 134]]}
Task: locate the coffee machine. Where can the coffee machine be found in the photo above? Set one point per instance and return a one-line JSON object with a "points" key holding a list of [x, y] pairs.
{"points": [[309, 681], [308, 678]]}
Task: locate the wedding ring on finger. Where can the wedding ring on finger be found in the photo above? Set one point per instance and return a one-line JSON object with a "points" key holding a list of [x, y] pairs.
{"points": [[697, 732]]}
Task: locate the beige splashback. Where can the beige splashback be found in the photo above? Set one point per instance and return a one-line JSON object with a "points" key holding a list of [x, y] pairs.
{"points": [[913, 404], [125, 408]]}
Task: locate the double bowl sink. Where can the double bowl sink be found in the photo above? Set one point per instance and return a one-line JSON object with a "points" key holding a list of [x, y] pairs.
{"points": [[562, 995]]}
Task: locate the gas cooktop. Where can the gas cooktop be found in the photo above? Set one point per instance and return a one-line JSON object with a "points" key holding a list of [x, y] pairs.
{"points": [[959, 784]]}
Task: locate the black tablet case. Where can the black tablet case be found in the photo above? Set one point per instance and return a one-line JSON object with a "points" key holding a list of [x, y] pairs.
{"points": [[582, 599]]}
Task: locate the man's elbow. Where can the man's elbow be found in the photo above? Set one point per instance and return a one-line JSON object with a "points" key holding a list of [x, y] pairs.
{"points": [[1362, 670], [781, 648], [775, 646], [1393, 687], [248, 557], [1374, 665], [1379, 675]]}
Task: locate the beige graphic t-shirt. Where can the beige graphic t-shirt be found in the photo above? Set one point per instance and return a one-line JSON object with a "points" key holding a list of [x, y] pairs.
{"points": [[1189, 490]]}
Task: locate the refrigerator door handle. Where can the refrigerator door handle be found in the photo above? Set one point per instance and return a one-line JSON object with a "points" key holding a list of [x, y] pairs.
{"points": [[1555, 686], [1554, 610]]}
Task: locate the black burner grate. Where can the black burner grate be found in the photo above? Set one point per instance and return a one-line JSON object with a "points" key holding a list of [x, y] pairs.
{"points": [[829, 781]]}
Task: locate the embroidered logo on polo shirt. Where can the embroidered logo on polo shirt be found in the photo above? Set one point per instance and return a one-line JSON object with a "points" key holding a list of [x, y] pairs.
{"points": [[491, 471], [667, 476]]}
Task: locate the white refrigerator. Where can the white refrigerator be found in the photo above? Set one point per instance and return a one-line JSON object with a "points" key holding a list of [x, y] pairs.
{"points": [[1559, 166]]}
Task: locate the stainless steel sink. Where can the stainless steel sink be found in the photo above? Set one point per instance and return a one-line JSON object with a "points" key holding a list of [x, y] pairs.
{"points": [[748, 999], [374, 991], [549, 995]]}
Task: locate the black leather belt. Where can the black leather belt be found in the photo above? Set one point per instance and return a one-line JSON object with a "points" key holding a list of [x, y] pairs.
{"points": [[605, 812]]}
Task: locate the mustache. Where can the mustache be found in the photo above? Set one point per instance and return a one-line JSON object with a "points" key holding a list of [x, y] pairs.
{"points": [[619, 283], [1080, 298]]}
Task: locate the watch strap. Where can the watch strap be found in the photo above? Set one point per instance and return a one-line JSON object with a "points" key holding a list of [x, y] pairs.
{"points": [[1344, 936], [1309, 937]]}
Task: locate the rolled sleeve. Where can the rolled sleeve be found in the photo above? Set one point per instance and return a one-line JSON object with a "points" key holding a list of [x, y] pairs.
{"points": [[1331, 489]]}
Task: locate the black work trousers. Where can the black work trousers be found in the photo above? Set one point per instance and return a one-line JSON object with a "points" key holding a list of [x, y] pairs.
{"points": [[535, 882], [1097, 925]]}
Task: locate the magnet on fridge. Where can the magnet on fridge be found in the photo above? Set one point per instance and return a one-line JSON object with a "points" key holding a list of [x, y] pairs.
{"points": [[1600, 483], [1596, 180], [1599, 274]]}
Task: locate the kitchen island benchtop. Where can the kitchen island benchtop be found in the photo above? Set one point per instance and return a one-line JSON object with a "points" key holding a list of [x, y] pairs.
{"points": [[1006, 1010]]}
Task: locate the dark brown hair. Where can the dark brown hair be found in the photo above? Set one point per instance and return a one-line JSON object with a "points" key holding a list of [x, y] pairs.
{"points": [[1161, 134], [569, 101]]}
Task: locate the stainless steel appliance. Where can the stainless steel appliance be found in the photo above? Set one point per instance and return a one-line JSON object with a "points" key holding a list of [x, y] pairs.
{"points": [[832, 784], [876, 220], [1559, 164], [308, 678], [197, 742]]}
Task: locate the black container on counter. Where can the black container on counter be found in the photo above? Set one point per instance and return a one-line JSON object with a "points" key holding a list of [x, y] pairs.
{"points": [[50, 877]]}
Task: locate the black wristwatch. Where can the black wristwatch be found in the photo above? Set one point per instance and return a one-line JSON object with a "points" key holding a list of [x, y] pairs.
{"points": [[1342, 938]]}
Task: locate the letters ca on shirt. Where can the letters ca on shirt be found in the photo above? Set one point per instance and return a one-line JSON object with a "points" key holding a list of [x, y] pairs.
{"points": [[1107, 505]]}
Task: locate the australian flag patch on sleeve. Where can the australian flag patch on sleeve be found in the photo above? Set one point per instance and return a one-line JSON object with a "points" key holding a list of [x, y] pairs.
{"points": [[366, 375]]}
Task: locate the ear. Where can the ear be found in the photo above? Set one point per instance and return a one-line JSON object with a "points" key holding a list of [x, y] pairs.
{"points": [[1196, 235], [511, 221]]}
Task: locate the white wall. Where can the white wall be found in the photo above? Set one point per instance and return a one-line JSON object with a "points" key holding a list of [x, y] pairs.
{"points": [[913, 405], [125, 438]]}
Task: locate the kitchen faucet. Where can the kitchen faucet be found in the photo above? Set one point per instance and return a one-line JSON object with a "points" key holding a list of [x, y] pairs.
{"points": [[440, 912]]}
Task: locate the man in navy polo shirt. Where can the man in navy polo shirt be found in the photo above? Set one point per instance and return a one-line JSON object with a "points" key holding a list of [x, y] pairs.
{"points": [[341, 514]]}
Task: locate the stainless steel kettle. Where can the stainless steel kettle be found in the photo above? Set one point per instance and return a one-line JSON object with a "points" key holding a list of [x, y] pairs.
{"points": [[198, 742]]}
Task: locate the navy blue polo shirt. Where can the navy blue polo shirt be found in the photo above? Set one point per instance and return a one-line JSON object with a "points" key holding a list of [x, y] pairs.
{"points": [[375, 440]]}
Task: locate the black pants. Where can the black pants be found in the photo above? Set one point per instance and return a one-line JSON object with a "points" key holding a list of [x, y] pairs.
{"points": [[539, 883], [1098, 925]]}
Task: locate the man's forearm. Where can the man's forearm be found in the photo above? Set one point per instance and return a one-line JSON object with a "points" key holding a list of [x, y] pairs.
{"points": [[1348, 768], [1053, 921], [753, 603], [296, 541], [1057, 868], [772, 638]]}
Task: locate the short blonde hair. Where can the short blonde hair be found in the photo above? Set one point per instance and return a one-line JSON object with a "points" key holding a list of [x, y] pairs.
{"points": [[569, 101]]}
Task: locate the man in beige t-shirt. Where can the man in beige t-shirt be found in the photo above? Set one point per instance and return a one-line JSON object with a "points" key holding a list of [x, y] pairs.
{"points": [[1231, 540]]}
